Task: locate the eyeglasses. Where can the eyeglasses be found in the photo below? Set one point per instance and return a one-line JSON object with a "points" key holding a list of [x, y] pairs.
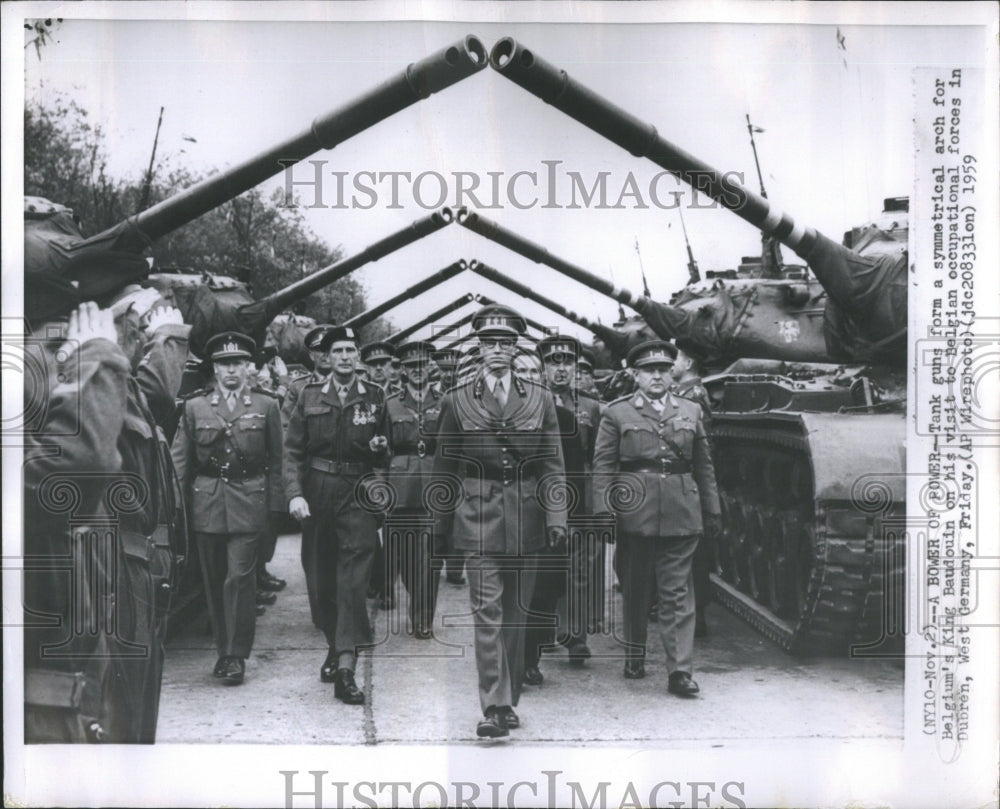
{"points": [[497, 342]]}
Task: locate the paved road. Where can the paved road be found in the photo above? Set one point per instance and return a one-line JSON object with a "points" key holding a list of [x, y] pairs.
{"points": [[425, 691]]}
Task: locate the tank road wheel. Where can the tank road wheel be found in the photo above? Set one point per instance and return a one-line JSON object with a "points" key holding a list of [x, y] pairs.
{"points": [[799, 534], [755, 555], [731, 541], [778, 566]]}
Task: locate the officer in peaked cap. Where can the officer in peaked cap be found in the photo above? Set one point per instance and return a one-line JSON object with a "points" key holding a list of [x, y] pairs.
{"points": [[413, 417], [336, 440], [655, 443], [499, 436], [446, 360], [228, 458], [378, 358], [320, 358], [585, 372]]}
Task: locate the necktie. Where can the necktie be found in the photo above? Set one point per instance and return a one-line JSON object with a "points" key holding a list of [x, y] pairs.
{"points": [[657, 405], [231, 400], [342, 393], [500, 394]]}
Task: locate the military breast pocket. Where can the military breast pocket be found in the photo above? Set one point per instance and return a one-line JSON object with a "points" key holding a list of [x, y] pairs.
{"points": [[683, 428], [638, 441], [207, 433], [318, 420], [251, 434], [404, 430]]}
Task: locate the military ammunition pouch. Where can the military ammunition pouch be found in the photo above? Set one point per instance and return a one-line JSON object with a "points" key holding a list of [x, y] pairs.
{"points": [[666, 466]]}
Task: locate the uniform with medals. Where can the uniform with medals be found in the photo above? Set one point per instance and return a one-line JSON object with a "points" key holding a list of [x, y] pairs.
{"points": [[228, 457], [498, 442], [330, 453], [652, 465], [413, 415]]}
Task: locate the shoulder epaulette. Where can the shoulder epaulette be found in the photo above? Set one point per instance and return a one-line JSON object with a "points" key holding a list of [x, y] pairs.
{"points": [[195, 394], [624, 398]]}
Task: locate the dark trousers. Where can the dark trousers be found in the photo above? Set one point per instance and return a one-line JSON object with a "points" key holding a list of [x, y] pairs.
{"points": [[500, 591], [345, 537], [670, 561], [702, 583], [310, 566], [576, 608], [386, 567], [267, 542], [551, 579], [229, 565], [419, 567]]}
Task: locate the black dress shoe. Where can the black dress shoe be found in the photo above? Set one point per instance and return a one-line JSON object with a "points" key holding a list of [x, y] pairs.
{"points": [[681, 684], [328, 671], [265, 598], [345, 689], [533, 675], [265, 581], [510, 719], [492, 726], [260, 609], [455, 578], [635, 670], [579, 652], [423, 633], [220, 667], [234, 671]]}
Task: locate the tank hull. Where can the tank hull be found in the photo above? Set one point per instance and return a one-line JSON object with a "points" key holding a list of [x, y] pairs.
{"points": [[812, 548]]}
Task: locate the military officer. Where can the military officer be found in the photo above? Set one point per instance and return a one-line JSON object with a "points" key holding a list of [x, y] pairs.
{"points": [[320, 358], [228, 458], [498, 435], [687, 383], [655, 443], [377, 358], [446, 360], [337, 435], [585, 372], [413, 415], [560, 357]]}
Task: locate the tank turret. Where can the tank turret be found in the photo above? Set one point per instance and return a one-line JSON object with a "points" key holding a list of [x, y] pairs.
{"points": [[864, 305], [801, 440]]}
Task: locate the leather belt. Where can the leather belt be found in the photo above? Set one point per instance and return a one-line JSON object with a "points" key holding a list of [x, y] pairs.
{"points": [[338, 467], [229, 473], [507, 475], [664, 466], [420, 449]]}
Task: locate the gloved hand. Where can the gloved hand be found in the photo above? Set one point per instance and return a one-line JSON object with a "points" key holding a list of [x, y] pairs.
{"points": [[379, 444], [140, 300], [87, 322], [556, 538], [280, 370], [162, 315], [299, 508], [712, 525]]}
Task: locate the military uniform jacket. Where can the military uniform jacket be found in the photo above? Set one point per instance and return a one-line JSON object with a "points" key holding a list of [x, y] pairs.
{"points": [[229, 462], [666, 458], [587, 416], [413, 429], [322, 428], [694, 390], [498, 457], [295, 388]]}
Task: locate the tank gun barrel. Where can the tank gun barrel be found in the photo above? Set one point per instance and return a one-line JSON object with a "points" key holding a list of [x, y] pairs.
{"points": [[418, 81], [553, 86], [454, 327], [428, 283], [610, 337], [458, 303], [259, 314], [535, 252]]}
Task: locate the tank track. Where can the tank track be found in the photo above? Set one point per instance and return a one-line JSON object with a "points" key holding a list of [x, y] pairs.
{"points": [[816, 577]]}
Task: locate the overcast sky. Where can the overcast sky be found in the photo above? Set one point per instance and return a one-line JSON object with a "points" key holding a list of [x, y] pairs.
{"points": [[837, 121]]}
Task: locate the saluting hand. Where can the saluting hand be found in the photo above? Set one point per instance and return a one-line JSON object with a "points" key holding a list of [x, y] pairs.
{"points": [[88, 322], [556, 538], [299, 508], [163, 315]]}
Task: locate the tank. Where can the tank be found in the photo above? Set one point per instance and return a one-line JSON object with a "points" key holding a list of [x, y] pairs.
{"points": [[808, 409]]}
